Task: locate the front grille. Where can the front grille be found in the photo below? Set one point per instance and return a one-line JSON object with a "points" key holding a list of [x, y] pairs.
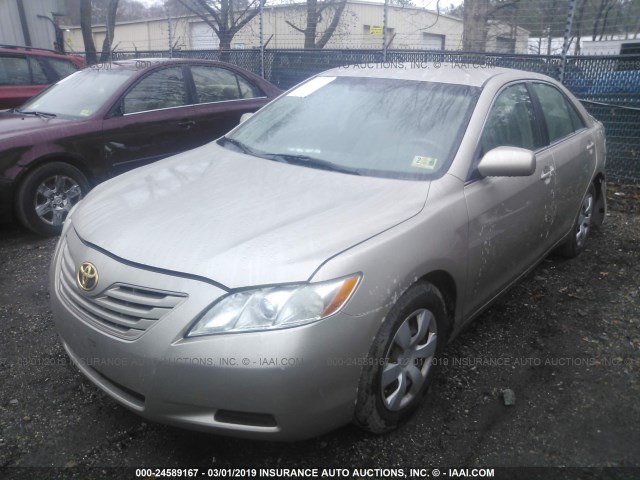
{"points": [[124, 311]]}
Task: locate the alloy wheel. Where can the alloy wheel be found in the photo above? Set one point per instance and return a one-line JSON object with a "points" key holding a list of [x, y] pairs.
{"points": [[55, 197]]}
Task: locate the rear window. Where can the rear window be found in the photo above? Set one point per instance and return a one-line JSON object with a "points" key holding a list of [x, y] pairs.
{"points": [[62, 67], [14, 70], [215, 84], [39, 77]]}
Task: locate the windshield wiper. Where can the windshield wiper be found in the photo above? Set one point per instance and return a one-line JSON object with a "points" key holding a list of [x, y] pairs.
{"points": [[36, 113], [307, 161], [241, 146], [290, 158]]}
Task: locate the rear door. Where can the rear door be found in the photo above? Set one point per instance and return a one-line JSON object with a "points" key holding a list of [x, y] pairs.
{"points": [[153, 120], [573, 148], [222, 96]]}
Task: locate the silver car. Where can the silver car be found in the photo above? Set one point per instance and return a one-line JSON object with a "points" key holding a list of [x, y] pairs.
{"points": [[304, 271]]}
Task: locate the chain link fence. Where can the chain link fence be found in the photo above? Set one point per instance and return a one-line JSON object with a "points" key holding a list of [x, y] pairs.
{"points": [[608, 86]]}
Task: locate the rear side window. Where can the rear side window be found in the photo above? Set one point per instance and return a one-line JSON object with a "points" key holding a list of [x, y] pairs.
{"points": [[511, 121], [14, 71], [215, 84], [560, 116]]}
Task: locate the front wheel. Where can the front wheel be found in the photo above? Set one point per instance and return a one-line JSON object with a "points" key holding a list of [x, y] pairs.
{"points": [[582, 226], [400, 365], [47, 194]]}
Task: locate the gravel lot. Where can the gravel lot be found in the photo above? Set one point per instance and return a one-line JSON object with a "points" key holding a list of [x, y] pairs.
{"points": [[565, 340]]}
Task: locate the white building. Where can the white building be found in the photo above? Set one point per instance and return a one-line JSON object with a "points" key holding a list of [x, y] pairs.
{"points": [[588, 46], [30, 22], [360, 27]]}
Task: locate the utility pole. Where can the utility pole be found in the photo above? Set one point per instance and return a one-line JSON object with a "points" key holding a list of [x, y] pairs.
{"points": [[262, 38], [169, 26], [567, 37], [384, 30]]}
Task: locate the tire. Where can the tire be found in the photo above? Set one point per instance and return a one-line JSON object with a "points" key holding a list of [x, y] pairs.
{"points": [[400, 366], [575, 244], [47, 194]]}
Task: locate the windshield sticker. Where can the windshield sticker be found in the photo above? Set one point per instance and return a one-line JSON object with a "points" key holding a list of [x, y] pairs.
{"points": [[311, 86], [428, 163], [304, 150], [85, 112]]}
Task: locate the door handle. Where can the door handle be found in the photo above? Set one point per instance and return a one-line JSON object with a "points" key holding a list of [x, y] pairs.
{"points": [[590, 145], [186, 124], [547, 173]]}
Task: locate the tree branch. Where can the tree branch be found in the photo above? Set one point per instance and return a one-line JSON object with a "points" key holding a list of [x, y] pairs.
{"points": [[202, 15], [332, 26], [249, 13], [301, 30]]}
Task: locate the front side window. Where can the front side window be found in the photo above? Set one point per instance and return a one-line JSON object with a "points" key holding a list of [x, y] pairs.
{"points": [[367, 126], [511, 121], [215, 84], [161, 89], [560, 117]]}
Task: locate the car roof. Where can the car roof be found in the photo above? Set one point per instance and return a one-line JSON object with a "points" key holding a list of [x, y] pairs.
{"points": [[144, 63], [429, 71], [33, 51]]}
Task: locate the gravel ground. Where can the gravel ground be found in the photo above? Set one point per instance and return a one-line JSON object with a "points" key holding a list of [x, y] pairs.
{"points": [[564, 341]]}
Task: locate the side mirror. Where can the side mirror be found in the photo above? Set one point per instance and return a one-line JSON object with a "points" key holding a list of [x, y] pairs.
{"points": [[507, 162], [245, 117]]}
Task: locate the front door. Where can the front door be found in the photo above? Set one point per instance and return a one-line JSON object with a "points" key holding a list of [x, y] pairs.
{"points": [[510, 218], [154, 121]]}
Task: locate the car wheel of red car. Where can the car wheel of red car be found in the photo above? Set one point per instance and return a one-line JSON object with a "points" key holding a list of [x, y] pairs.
{"points": [[47, 194]]}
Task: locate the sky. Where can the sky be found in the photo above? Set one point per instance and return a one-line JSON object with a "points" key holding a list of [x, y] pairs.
{"points": [[430, 4]]}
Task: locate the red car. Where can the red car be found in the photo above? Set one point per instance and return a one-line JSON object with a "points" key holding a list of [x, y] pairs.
{"points": [[26, 71], [110, 118]]}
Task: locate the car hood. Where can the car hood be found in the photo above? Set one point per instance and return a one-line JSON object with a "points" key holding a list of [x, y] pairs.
{"points": [[240, 220], [14, 124]]}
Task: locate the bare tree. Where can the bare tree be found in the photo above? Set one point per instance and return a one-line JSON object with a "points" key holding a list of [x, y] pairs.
{"points": [[577, 26], [112, 9], [86, 14], [403, 3], [476, 16], [225, 17], [474, 20], [601, 17], [315, 12], [127, 10], [87, 33]]}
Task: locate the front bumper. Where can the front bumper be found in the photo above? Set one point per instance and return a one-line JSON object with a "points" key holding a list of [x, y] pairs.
{"points": [[284, 384]]}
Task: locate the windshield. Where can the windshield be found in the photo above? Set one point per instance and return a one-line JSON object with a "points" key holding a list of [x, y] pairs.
{"points": [[367, 126], [80, 94]]}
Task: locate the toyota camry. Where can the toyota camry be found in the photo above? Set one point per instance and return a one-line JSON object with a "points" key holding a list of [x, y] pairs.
{"points": [[305, 270]]}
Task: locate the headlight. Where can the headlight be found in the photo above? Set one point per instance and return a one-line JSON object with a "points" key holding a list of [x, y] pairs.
{"points": [[67, 222], [275, 307]]}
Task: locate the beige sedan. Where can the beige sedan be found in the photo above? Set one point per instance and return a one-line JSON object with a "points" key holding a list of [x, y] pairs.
{"points": [[304, 271]]}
